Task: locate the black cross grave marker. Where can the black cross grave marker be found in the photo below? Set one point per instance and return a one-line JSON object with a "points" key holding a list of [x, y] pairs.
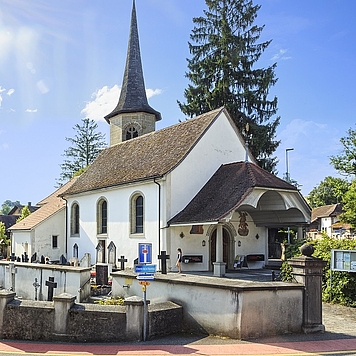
{"points": [[163, 257], [122, 261], [51, 284]]}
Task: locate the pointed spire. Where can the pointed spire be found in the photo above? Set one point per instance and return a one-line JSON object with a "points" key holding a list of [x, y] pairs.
{"points": [[133, 94]]}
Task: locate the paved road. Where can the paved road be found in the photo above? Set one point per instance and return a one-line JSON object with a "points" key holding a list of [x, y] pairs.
{"points": [[339, 339]]}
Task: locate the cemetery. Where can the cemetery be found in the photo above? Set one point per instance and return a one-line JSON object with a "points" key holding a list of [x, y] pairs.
{"points": [[53, 302]]}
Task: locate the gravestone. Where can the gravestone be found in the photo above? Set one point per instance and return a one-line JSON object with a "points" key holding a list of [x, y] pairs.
{"points": [[101, 274], [163, 257], [51, 284], [62, 260], [122, 261], [112, 253], [25, 257]]}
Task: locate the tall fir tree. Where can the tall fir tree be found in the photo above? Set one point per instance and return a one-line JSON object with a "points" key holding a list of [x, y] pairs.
{"points": [[86, 146], [223, 72]]}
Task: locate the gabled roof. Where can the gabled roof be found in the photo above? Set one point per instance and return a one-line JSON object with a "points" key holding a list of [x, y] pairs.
{"points": [[133, 93], [225, 191], [326, 211], [8, 220], [146, 157], [49, 206], [17, 209]]}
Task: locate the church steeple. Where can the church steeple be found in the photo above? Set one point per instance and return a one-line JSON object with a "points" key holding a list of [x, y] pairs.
{"points": [[132, 116]]}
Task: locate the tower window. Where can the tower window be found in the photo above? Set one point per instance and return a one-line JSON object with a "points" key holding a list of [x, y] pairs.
{"points": [[131, 132]]}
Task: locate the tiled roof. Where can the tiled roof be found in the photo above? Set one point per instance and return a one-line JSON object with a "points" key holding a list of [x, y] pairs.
{"points": [[326, 211], [49, 206], [148, 156], [225, 191]]}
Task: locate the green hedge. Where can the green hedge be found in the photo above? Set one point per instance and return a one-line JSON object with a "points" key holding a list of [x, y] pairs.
{"points": [[341, 288]]}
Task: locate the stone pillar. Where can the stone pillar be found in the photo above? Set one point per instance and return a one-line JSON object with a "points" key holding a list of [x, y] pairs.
{"points": [[308, 271], [134, 317], [5, 298], [62, 304], [219, 265]]}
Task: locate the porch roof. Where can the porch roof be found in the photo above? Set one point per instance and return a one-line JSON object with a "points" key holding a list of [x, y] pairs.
{"points": [[229, 188]]}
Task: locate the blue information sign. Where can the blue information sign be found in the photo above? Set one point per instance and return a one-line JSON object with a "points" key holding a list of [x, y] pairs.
{"points": [[145, 277], [145, 268], [144, 253]]}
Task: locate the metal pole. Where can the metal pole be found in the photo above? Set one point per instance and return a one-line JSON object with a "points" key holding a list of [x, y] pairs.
{"points": [[287, 165], [144, 313]]}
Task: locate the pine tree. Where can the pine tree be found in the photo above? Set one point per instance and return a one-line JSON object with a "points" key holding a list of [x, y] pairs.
{"points": [[222, 71], [86, 146]]}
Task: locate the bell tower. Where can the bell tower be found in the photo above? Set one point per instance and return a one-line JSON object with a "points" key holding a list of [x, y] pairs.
{"points": [[132, 116]]}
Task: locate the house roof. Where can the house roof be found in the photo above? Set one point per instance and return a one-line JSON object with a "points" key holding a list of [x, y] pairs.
{"points": [[147, 156], [326, 211], [225, 191], [8, 220], [17, 209], [133, 93], [49, 206]]}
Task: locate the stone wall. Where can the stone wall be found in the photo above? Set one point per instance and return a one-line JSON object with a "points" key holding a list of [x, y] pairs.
{"points": [[221, 306], [36, 320]]}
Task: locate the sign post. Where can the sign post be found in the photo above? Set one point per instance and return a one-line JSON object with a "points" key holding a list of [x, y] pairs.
{"points": [[145, 272]]}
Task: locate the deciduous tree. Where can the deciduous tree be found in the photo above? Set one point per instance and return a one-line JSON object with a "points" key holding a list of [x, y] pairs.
{"points": [[223, 72], [345, 162], [330, 191]]}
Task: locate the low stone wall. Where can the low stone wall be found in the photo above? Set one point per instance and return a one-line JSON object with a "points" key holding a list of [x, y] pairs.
{"points": [[222, 306], [20, 278], [63, 320]]}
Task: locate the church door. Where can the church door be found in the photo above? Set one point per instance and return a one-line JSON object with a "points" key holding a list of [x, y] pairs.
{"points": [[226, 240]]}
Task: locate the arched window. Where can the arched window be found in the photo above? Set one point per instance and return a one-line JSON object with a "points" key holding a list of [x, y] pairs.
{"points": [[131, 132], [102, 217], [74, 220], [137, 214]]}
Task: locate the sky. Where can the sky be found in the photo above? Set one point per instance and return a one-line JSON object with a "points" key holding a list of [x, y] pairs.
{"points": [[63, 61]]}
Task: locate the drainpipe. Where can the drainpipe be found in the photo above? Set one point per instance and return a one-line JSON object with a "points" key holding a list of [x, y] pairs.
{"points": [[66, 219], [159, 217]]}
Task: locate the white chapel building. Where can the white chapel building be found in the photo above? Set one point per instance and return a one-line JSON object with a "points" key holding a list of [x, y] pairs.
{"points": [[192, 186]]}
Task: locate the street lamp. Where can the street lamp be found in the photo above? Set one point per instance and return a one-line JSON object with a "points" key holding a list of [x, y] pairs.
{"points": [[287, 166]]}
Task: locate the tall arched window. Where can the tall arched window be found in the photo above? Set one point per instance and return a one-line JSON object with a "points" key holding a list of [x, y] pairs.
{"points": [[102, 217], [74, 220], [137, 214]]}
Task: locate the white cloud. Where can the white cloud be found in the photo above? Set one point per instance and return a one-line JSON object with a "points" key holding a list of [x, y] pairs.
{"points": [[2, 89], [10, 92], [31, 110], [153, 92], [104, 101], [280, 55]]}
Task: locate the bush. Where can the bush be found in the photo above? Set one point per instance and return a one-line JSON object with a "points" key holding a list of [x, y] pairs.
{"points": [[341, 287]]}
